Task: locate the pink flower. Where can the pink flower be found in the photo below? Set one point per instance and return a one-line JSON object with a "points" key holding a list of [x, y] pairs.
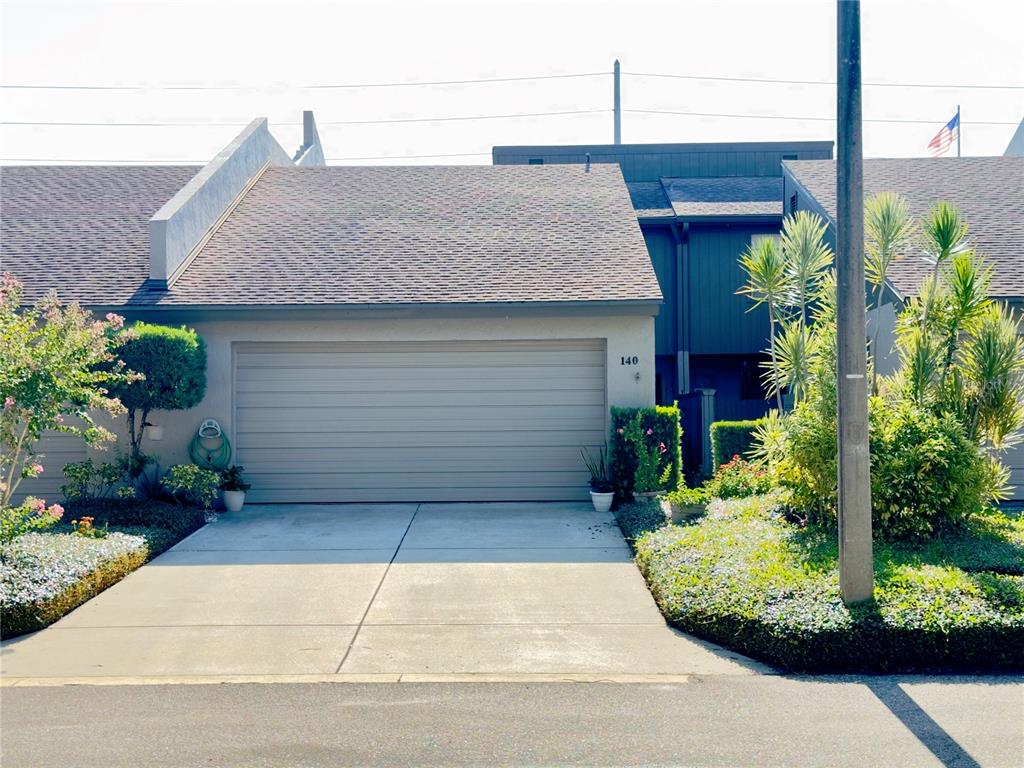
{"points": [[650, 431], [37, 469], [662, 448], [8, 402], [38, 505], [115, 320], [56, 511], [59, 419], [620, 430]]}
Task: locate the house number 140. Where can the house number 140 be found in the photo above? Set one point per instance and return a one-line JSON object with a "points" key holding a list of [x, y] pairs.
{"points": [[634, 360]]}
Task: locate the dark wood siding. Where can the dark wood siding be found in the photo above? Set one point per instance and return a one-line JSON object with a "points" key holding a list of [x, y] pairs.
{"points": [[662, 247], [719, 320]]}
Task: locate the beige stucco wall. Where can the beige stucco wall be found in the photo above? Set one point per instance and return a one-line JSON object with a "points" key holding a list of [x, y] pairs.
{"points": [[625, 336]]}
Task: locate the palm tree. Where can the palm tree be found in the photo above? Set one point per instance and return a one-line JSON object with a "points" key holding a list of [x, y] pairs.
{"points": [[768, 283], [807, 257], [888, 234]]}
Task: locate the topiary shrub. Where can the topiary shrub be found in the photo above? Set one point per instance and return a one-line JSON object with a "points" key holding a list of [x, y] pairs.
{"points": [[732, 438], [173, 361], [658, 431]]}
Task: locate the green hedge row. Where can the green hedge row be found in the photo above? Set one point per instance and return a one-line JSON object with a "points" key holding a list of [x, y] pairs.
{"points": [[746, 578], [731, 438], [47, 575], [663, 423]]}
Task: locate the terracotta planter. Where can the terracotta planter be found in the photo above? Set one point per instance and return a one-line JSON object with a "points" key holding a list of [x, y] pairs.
{"points": [[602, 501], [234, 500]]}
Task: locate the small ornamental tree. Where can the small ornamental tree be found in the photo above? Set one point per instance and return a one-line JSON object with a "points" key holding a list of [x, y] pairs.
{"points": [[57, 361], [173, 362]]}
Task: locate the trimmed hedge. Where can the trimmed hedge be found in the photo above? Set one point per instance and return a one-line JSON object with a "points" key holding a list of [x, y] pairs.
{"points": [[663, 421], [745, 577], [43, 576], [731, 438]]}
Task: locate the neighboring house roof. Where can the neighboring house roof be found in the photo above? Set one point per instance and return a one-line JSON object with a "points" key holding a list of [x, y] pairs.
{"points": [[82, 230], [350, 236], [727, 196], [988, 191], [1016, 146], [649, 199]]}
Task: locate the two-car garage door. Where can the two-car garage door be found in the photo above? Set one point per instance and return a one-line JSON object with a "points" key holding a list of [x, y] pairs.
{"points": [[418, 421]]}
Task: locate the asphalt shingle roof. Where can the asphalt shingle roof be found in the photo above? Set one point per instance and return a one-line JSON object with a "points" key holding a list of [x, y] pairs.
{"points": [[988, 191], [336, 235], [425, 234], [82, 230], [649, 199], [725, 196]]}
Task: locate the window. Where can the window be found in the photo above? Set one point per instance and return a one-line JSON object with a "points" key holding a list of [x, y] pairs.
{"points": [[789, 157], [536, 161], [751, 381]]}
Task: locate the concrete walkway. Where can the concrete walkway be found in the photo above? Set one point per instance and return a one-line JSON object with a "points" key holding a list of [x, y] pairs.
{"points": [[376, 592]]}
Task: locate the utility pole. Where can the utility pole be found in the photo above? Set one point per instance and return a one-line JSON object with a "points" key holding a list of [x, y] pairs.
{"points": [[617, 103], [856, 577]]}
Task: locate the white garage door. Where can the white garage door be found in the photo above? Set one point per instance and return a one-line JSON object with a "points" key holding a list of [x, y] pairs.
{"points": [[444, 421]]}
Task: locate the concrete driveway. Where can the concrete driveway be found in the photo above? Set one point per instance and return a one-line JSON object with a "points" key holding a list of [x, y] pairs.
{"points": [[378, 592]]}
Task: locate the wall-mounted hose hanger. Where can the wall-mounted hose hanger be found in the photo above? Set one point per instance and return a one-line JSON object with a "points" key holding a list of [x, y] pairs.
{"points": [[210, 448]]}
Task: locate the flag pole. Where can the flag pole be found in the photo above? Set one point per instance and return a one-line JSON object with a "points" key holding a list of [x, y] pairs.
{"points": [[959, 130]]}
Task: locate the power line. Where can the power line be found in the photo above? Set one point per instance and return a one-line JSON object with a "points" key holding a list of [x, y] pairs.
{"points": [[240, 123], [811, 118], [729, 79], [320, 86], [474, 81], [452, 118]]}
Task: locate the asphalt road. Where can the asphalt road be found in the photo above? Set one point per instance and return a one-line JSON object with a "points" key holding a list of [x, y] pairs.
{"points": [[710, 721]]}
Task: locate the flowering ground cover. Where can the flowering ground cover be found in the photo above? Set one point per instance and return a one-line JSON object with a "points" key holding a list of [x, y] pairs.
{"points": [[747, 577]]}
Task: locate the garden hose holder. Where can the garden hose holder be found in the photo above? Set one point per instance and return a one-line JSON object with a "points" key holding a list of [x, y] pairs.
{"points": [[210, 447]]}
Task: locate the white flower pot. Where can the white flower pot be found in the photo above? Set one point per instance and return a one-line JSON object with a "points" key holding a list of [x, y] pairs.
{"points": [[602, 501], [233, 500], [154, 432]]}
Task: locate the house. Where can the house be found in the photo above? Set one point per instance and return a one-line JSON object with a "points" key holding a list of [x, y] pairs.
{"points": [[699, 206], [1016, 146], [988, 191], [373, 333]]}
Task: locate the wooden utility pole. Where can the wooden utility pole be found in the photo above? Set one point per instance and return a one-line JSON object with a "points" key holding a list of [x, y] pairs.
{"points": [[856, 578], [617, 103]]}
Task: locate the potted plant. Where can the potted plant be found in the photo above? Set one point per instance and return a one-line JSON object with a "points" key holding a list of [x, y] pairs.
{"points": [[602, 490], [686, 503], [233, 488]]}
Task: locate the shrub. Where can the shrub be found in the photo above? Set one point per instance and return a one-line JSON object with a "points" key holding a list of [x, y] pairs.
{"points": [[925, 474], [656, 432], [190, 484], [57, 361], [745, 577], [88, 481], [31, 515], [44, 576], [173, 362], [738, 479], [732, 438]]}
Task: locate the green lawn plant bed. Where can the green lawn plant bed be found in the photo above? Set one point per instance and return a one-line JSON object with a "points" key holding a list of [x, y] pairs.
{"points": [[44, 576], [747, 578]]}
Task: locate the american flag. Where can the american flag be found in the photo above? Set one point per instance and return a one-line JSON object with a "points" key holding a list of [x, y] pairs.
{"points": [[945, 137]]}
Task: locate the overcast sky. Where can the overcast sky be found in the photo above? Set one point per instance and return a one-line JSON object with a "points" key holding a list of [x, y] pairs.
{"points": [[266, 54]]}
